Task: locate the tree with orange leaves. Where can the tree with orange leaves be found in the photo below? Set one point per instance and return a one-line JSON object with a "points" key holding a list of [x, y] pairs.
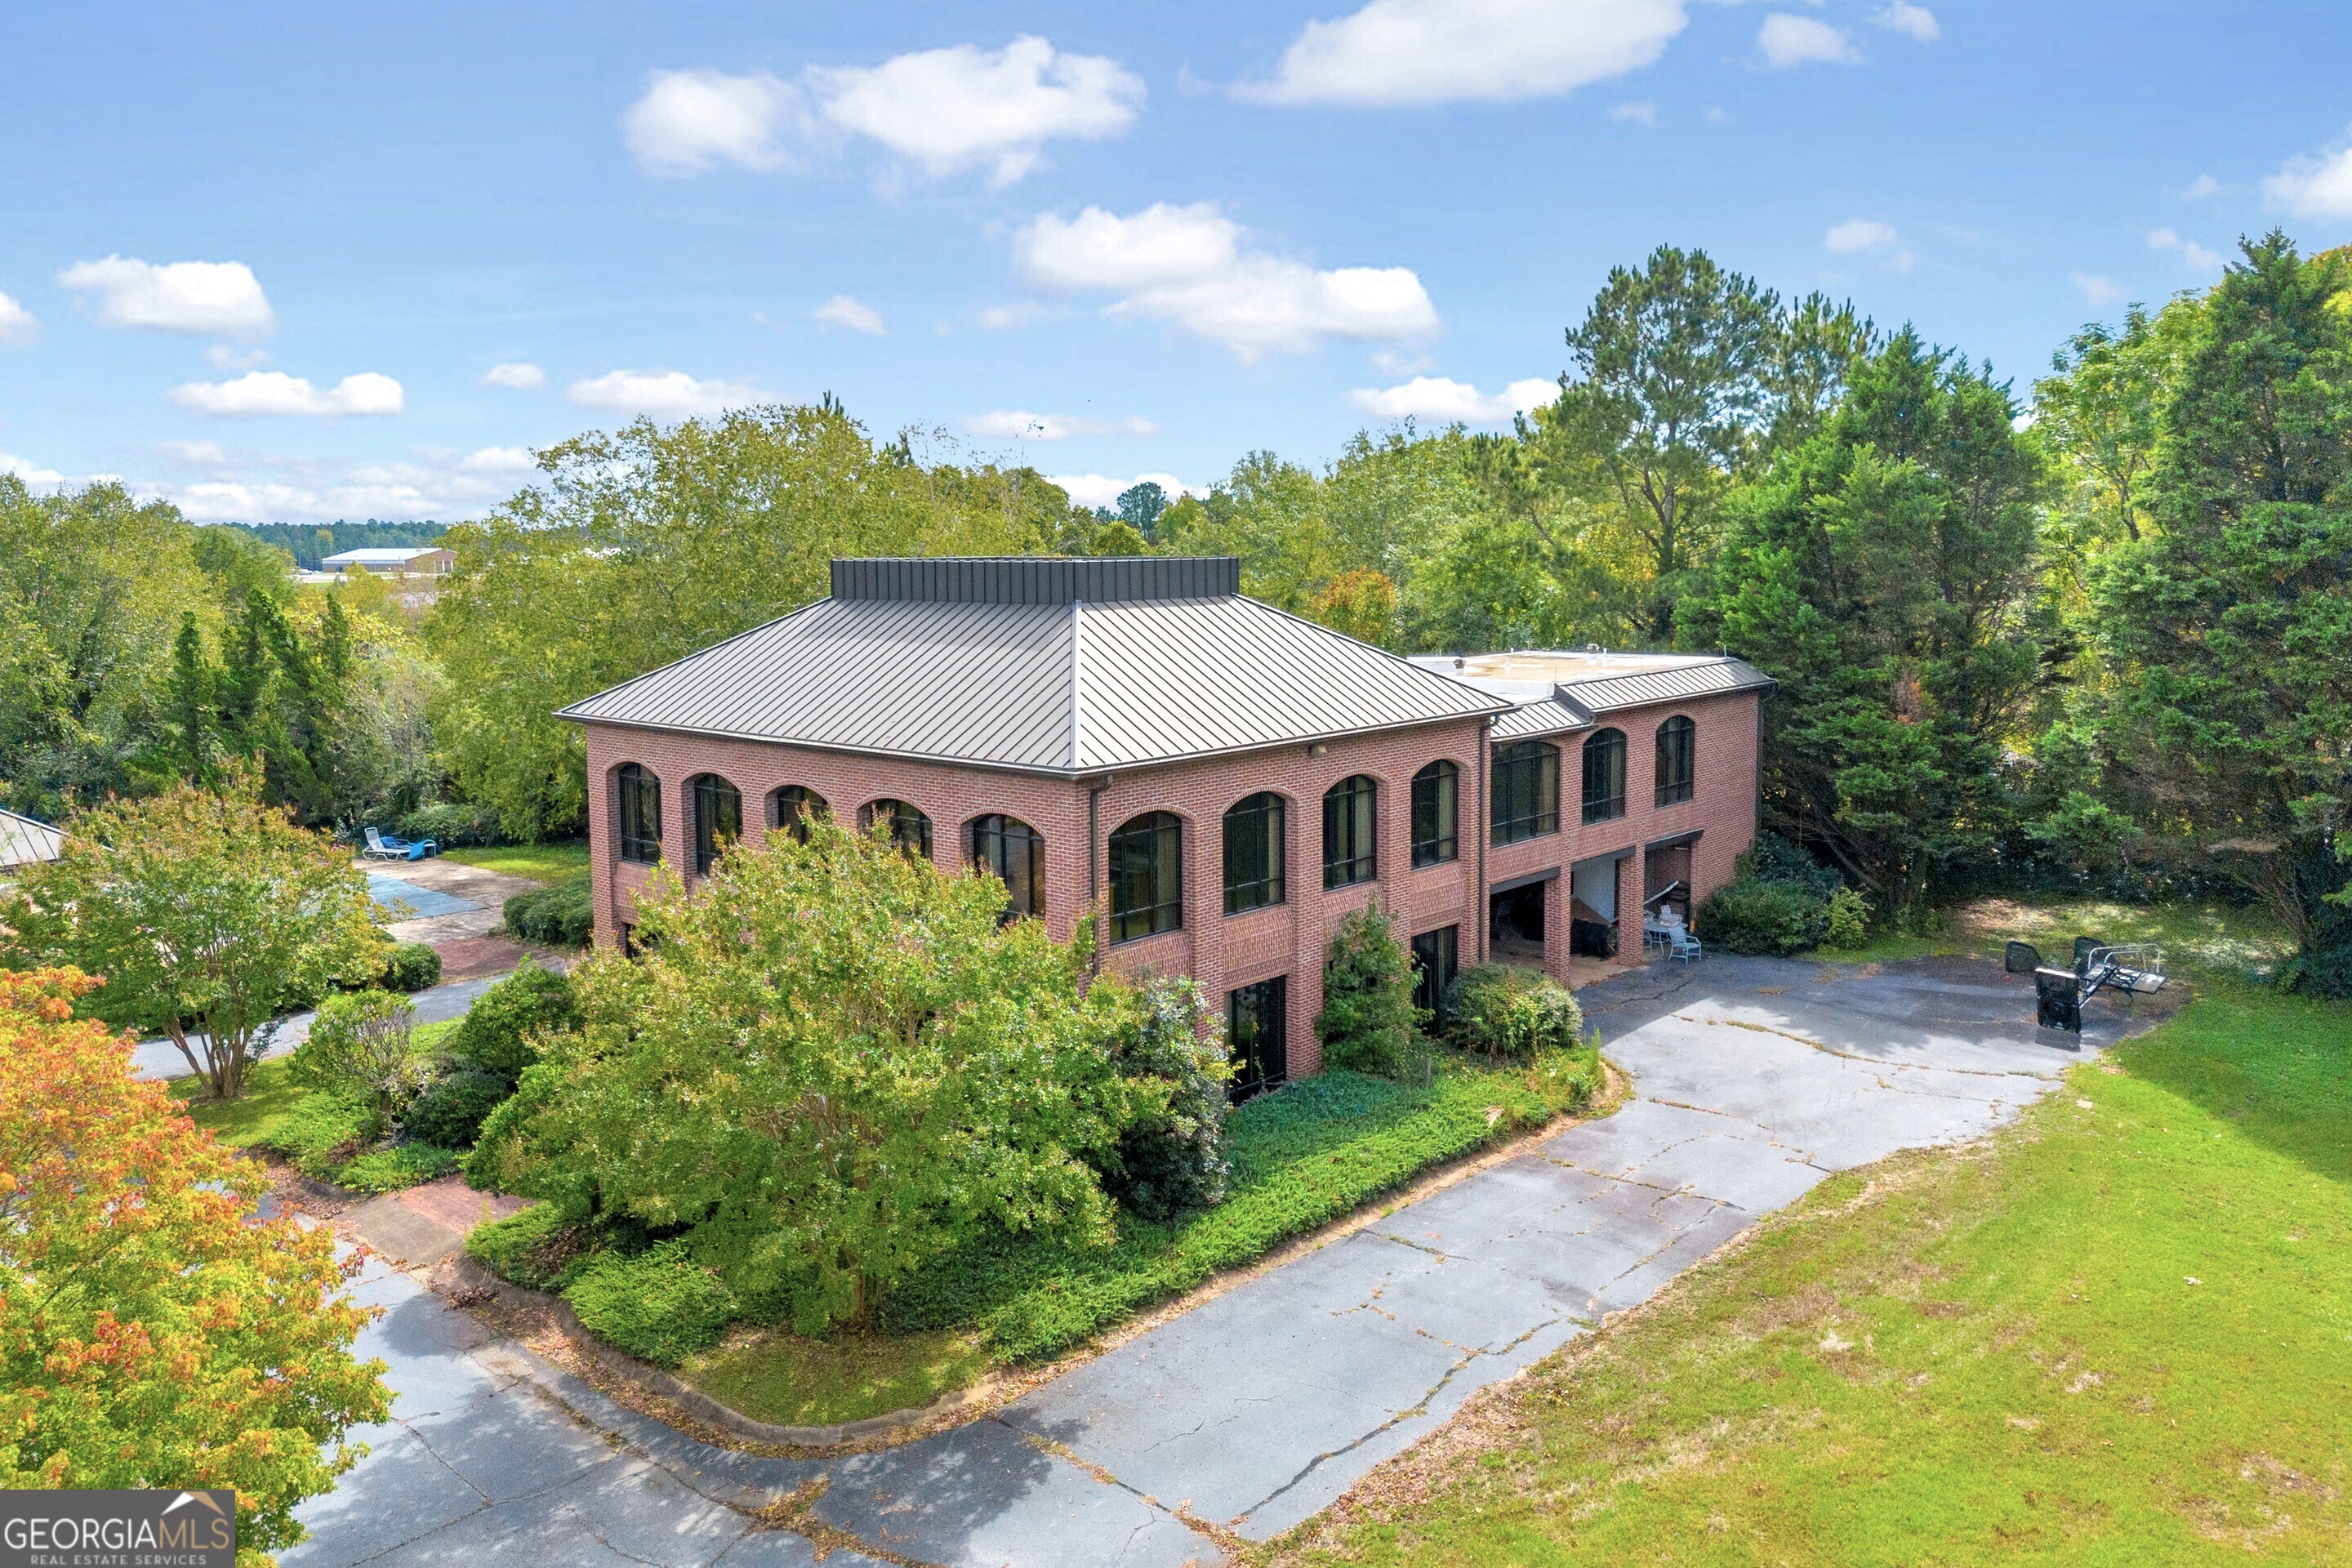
{"points": [[154, 1332]]}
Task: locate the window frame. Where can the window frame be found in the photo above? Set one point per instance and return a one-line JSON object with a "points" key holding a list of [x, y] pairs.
{"points": [[994, 842], [637, 849], [1539, 759], [1441, 782], [1429, 994], [1271, 1010], [1272, 885], [1164, 858], [1352, 806], [1677, 760], [901, 814], [1602, 743], [810, 805], [703, 791]]}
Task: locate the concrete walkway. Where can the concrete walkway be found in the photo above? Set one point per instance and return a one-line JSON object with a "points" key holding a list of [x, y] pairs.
{"points": [[435, 1004], [1753, 1081]]}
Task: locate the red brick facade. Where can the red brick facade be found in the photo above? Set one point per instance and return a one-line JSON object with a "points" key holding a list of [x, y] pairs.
{"points": [[1223, 951]]}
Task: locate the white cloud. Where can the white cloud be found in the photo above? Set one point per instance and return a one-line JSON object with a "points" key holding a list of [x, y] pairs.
{"points": [[1789, 41], [1440, 400], [433, 485], [213, 298], [2317, 186], [1188, 266], [663, 394], [1867, 236], [848, 310], [273, 393], [939, 109], [945, 110], [2200, 260], [27, 471], [1005, 318], [198, 454], [1019, 425], [1101, 489], [1446, 51], [1643, 113], [1912, 21], [690, 120], [516, 375], [2203, 188], [2100, 291], [499, 460], [17, 323]]}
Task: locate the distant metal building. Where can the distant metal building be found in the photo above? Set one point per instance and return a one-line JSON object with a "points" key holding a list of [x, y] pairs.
{"points": [[24, 841]]}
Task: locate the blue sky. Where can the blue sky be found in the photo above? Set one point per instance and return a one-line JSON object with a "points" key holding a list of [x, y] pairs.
{"points": [[269, 261]]}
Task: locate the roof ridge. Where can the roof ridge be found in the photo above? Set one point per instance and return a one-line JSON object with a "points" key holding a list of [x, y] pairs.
{"points": [[1077, 681]]}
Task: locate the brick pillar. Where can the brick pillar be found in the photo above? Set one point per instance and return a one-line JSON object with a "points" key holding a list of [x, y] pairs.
{"points": [[1629, 909], [1558, 900]]}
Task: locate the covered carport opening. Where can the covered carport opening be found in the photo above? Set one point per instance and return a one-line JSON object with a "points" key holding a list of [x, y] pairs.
{"points": [[1666, 865], [1515, 919], [1593, 906]]}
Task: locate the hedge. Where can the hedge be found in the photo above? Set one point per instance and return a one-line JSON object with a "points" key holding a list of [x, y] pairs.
{"points": [[561, 916]]}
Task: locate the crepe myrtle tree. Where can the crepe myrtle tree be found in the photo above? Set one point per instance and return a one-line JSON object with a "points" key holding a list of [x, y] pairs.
{"points": [[154, 1330], [203, 913], [831, 1062]]}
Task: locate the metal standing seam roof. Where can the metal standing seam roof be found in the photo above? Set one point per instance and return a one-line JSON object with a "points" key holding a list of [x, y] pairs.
{"points": [[1578, 704], [23, 840], [1073, 688]]}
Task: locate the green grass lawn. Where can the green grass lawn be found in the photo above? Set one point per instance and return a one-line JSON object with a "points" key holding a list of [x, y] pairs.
{"points": [[2117, 1332], [270, 1096], [2206, 934], [539, 862], [775, 1375]]}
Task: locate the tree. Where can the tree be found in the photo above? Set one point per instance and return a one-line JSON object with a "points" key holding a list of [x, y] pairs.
{"points": [[1139, 506], [154, 1330], [1362, 605], [2228, 626], [1369, 1022], [1885, 575], [206, 915], [832, 1064], [642, 545], [359, 1045]]}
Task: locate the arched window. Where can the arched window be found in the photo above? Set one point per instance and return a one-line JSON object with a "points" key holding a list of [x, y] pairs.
{"points": [[1435, 794], [1526, 791], [793, 809], [1013, 850], [1350, 848], [1677, 760], [909, 830], [1604, 775], [717, 819], [1254, 853], [639, 813], [1147, 876]]}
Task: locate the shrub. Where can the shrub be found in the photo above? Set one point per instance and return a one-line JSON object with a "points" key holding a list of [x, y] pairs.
{"points": [[322, 1132], [450, 1113], [358, 1046], [1171, 1158], [1749, 916], [2320, 972], [1511, 1014], [539, 1250], [401, 1166], [1369, 1022], [1849, 919], [659, 1305], [412, 966], [1772, 858], [450, 823], [498, 1033], [561, 916]]}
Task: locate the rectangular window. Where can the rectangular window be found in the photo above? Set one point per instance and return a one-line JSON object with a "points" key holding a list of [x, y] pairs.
{"points": [[1147, 876], [1253, 854], [640, 816], [1257, 1022], [1434, 955], [1350, 850], [1604, 776], [1677, 760], [1526, 791], [1434, 798]]}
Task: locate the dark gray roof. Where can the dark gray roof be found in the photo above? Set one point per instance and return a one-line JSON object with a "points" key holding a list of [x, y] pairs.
{"points": [[1071, 687], [1035, 579]]}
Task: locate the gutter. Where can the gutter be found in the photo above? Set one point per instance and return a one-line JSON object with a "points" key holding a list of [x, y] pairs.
{"points": [[1483, 912]]}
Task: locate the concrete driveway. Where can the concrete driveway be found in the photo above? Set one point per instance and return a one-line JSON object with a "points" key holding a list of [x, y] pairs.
{"points": [[1753, 1081]]}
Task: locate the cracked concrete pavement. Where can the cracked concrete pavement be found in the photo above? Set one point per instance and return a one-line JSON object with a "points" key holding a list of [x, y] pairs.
{"points": [[1753, 1079]]}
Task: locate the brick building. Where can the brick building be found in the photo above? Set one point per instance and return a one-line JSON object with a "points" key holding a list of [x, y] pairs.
{"points": [[1221, 781]]}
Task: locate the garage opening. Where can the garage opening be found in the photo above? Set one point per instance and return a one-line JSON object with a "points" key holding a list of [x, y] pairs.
{"points": [[1593, 909], [1515, 925]]}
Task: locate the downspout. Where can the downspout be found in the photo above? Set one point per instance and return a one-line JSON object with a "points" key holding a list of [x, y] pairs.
{"points": [[1484, 910], [1094, 867]]}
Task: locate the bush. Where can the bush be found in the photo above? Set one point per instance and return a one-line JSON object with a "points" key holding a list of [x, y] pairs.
{"points": [[450, 823], [496, 1034], [539, 1250], [1368, 1023], [1772, 858], [1849, 923], [2320, 972], [1751, 916], [359, 1045], [412, 966], [322, 1132], [450, 1113], [401, 1166], [659, 1305], [1511, 1014], [561, 916], [1171, 1159]]}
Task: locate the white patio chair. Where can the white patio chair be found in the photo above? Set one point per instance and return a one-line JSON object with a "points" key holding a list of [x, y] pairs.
{"points": [[377, 849]]}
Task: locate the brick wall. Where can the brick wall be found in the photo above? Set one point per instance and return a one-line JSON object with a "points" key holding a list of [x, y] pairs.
{"points": [[1222, 951]]}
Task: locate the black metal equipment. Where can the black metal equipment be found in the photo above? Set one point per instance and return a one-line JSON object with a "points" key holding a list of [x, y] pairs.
{"points": [[2059, 994], [2020, 958], [2058, 1000]]}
